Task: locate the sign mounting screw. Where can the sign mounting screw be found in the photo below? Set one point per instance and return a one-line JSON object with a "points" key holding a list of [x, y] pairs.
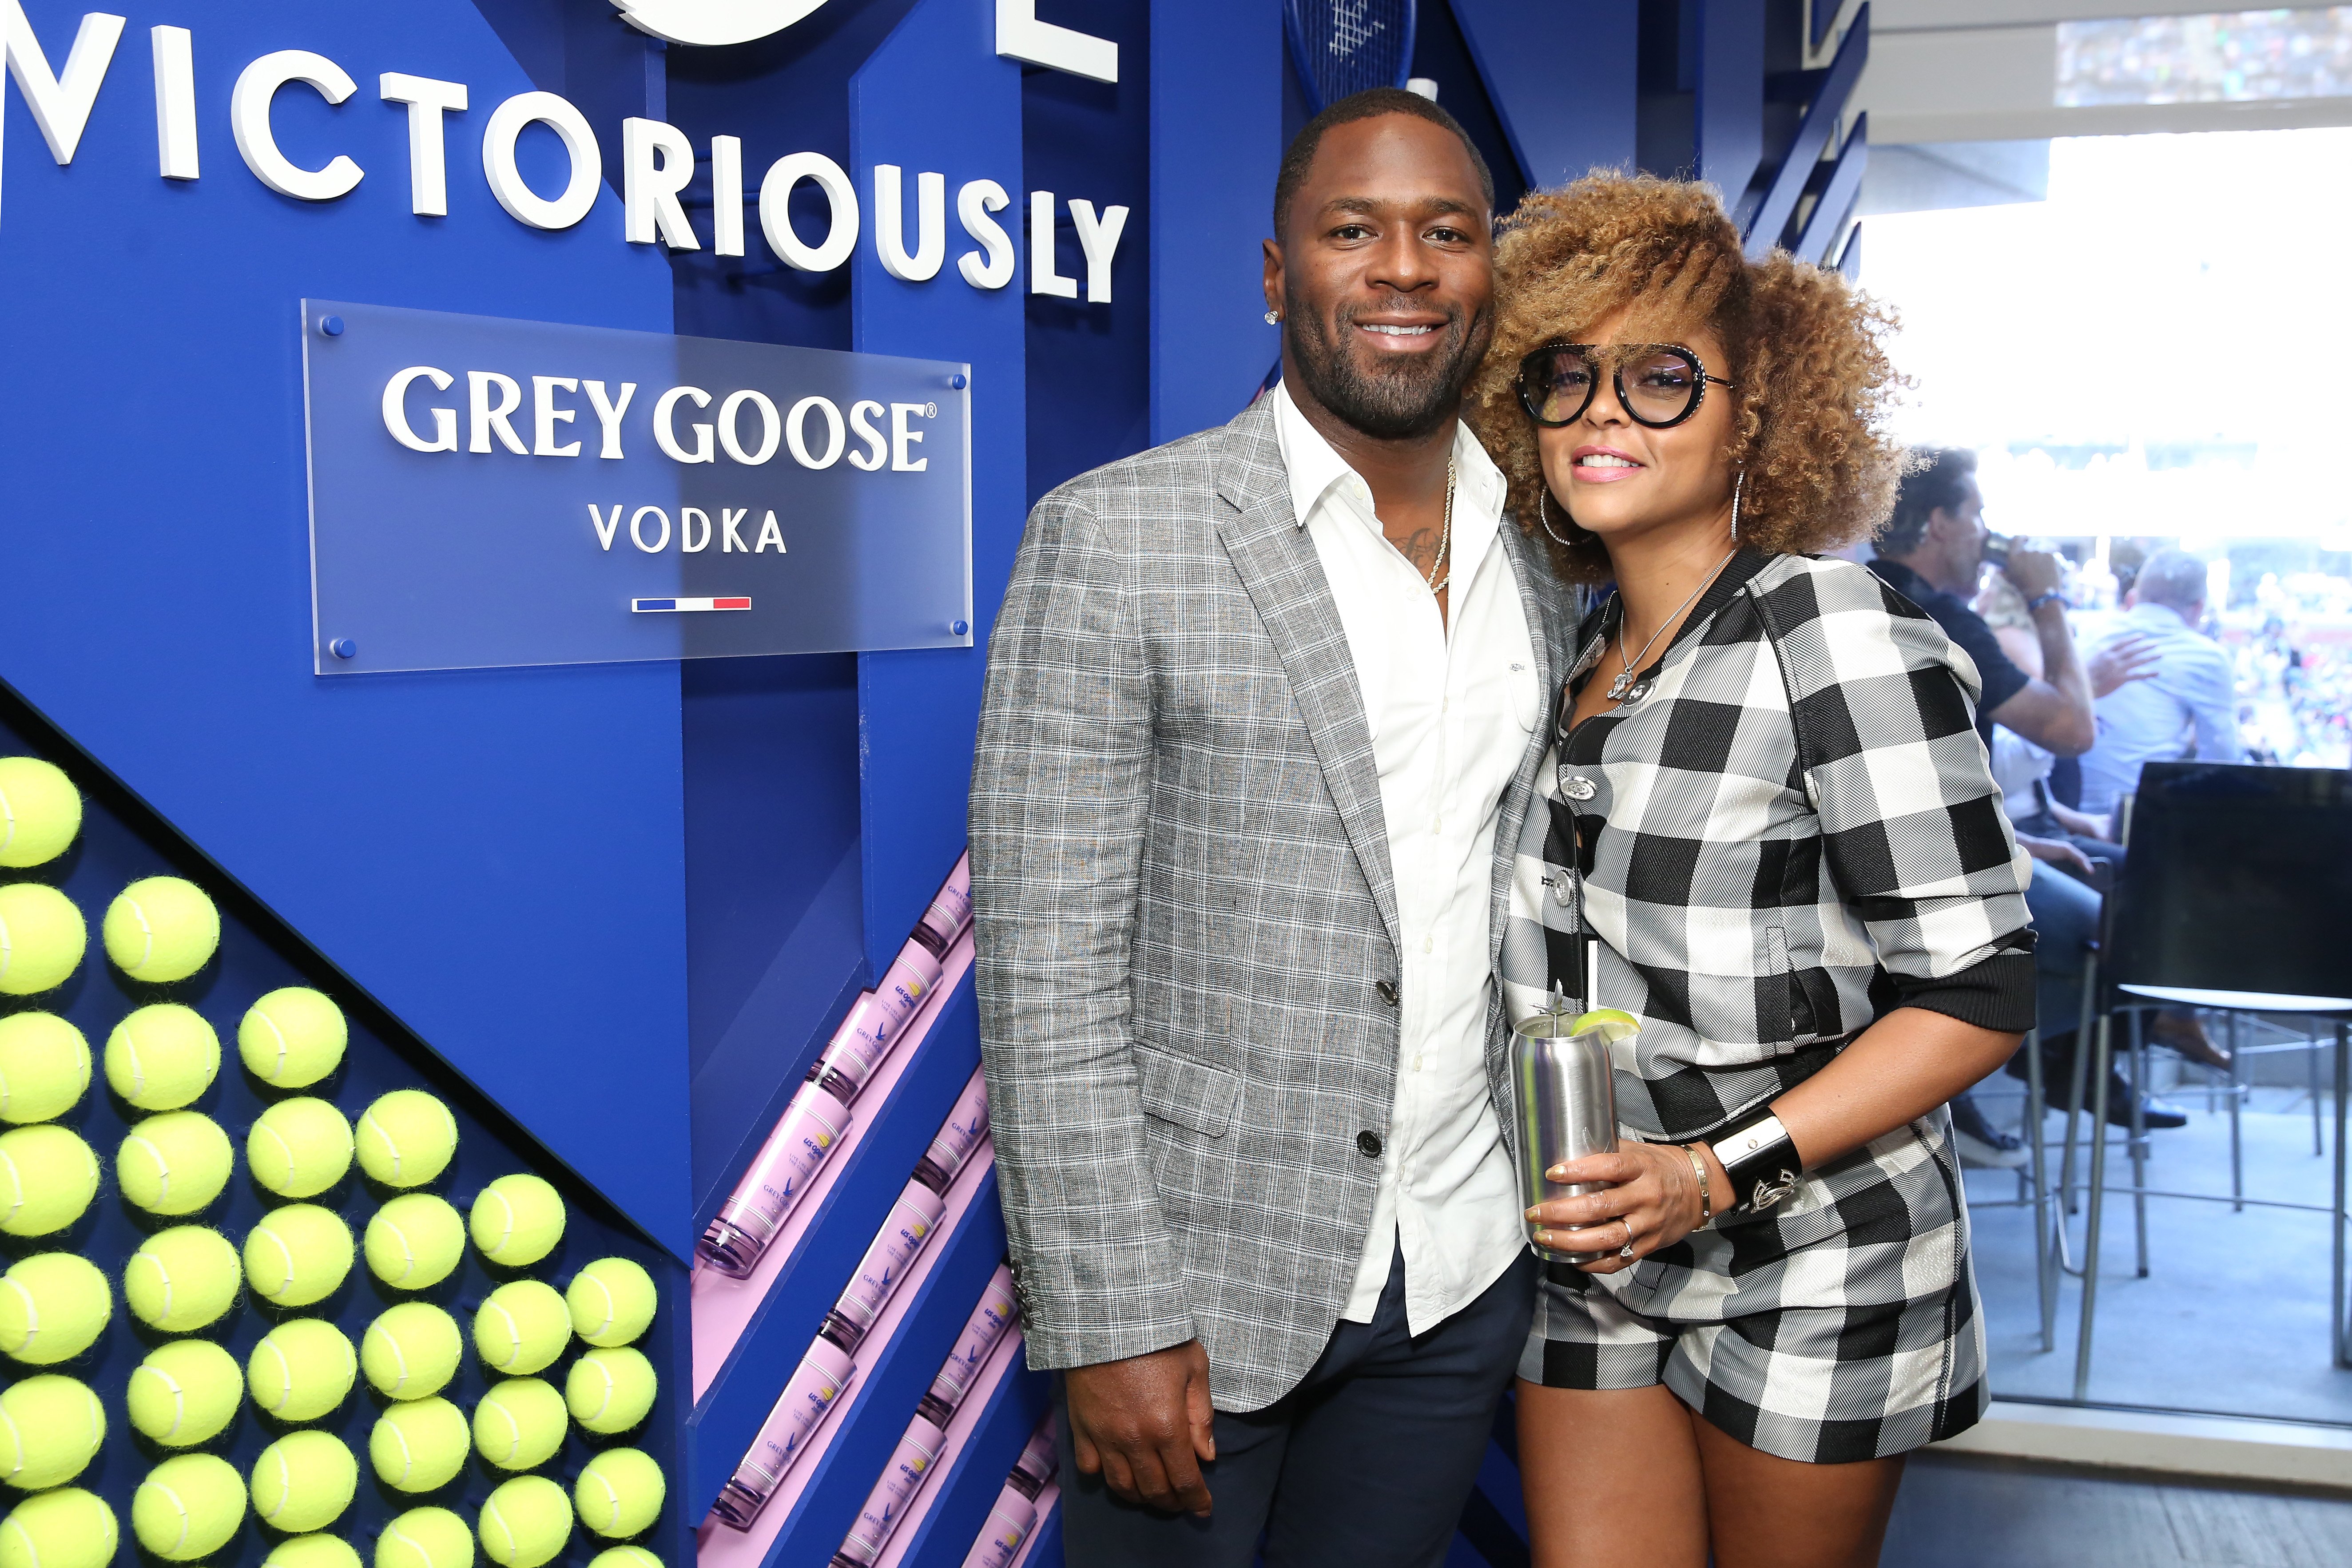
{"points": [[331, 326], [343, 647]]}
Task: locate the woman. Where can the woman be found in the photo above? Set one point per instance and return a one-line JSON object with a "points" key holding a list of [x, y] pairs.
{"points": [[1766, 801]]}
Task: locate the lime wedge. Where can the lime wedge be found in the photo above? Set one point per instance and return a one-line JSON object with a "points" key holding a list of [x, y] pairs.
{"points": [[1609, 1022]]}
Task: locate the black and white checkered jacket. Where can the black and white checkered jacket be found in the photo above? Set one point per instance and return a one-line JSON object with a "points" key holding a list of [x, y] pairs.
{"points": [[1794, 831]]}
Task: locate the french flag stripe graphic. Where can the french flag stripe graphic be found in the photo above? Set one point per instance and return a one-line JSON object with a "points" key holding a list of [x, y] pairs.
{"points": [[648, 606]]}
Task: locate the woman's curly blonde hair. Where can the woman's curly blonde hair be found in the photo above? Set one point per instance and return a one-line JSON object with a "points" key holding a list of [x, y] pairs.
{"points": [[1815, 386]]}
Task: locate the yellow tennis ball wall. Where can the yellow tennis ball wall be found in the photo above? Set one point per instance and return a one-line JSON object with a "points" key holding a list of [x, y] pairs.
{"points": [[118, 845]]}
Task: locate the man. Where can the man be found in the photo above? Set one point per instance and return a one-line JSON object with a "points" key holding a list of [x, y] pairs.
{"points": [[1932, 552], [1262, 705], [2189, 708]]}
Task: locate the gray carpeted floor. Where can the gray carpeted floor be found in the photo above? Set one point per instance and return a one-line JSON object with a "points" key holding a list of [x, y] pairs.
{"points": [[1959, 1512]]}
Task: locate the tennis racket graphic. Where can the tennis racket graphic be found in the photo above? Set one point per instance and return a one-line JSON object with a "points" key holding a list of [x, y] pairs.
{"points": [[1343, 47]]}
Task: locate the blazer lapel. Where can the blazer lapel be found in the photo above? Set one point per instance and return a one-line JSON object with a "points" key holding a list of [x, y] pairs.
{"points": [[1539, 597], [1279, 568]]}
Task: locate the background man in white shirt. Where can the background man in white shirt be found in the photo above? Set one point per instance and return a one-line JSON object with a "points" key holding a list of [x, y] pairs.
{"points": [[1262, 704], [2188, 708]]}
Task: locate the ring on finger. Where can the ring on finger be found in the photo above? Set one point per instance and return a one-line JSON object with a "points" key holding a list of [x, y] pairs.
{"points": [[1627, 1250]]}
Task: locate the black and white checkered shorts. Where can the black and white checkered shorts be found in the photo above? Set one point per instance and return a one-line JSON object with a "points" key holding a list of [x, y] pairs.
{"points": [[1843, 1325]]}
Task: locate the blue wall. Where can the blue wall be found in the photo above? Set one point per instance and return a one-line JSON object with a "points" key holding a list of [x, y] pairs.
{"points": [[496, 856]]}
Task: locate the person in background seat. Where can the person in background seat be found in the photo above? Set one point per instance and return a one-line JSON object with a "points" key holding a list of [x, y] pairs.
{"points": [[1932, 552]]}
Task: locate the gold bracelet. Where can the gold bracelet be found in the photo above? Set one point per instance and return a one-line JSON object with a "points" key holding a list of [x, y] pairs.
{"points": [[1705, 1195]]}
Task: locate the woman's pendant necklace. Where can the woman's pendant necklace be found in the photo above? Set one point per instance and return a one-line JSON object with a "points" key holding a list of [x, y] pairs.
{"points": [[1624, 689]]}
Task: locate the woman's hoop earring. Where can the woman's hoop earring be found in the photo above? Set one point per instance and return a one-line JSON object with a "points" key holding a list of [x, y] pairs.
{"points": [[1737, 481], [1543, 516]]}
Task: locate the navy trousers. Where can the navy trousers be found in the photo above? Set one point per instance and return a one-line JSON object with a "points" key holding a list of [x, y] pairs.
{"points": [[1366, 1464]]}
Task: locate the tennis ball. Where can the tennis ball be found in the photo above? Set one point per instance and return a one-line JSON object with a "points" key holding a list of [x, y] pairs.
{"points": [[609, 1390], [52, 1308], [292, 1038], [181, 1278], [50, 1426], [161, 928], [301, 1369], [40, 811], [527, 1522], [185, 1393], [620, 1492], [419, 1445], [518, 1425], [611, 1301], [163, 1057], [517, 1221], [173, 1164], [414, 1240], [407, 1138], [41, 938], [522, 1326], [312, 1551], [67, 1528], [303, 1481], [299, 1148], [298, 1254], [43, 1067], [411, 1351], [624, 1557], [425, 1538], [188, 1507], [48, 1176]]}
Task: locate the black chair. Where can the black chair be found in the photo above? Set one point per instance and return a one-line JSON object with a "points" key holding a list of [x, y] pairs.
{"points": [[2234, 896]]}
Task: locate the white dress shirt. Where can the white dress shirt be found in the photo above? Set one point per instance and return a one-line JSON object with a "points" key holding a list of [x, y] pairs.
{"points": [[2188, 710], [1451, 701]]}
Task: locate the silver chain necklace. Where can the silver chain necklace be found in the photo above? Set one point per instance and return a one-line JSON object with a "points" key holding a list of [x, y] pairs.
{"points": [[1622, 688], [1444, 540]]}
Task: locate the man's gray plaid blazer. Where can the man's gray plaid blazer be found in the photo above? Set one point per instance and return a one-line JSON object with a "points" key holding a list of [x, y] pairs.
{"points": [[1187, 924]]}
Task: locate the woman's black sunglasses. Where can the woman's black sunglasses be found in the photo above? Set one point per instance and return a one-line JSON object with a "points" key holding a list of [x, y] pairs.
{"points": [[1658, 384]]}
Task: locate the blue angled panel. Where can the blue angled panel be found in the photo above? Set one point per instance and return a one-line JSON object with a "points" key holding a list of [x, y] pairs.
{"points": [[1814, 132], [1564, 78], [492, 855], [935, 94], [1216, 138], [1728, 132], [1835, 204]]}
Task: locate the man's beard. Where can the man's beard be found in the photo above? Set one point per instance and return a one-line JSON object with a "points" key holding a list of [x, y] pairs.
{"points": [[1408, 396]]}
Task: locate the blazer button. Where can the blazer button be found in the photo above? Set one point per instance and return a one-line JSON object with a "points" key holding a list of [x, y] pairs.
{"points": [[1578, 787], [1368, 1144], [1388, 990]]}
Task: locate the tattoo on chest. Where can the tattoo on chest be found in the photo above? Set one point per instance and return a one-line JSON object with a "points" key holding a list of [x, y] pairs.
{"points": [[1420, 548]]}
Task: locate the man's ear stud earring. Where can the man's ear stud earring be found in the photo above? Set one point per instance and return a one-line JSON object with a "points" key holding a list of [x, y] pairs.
{"points": [[1272, 319]]}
